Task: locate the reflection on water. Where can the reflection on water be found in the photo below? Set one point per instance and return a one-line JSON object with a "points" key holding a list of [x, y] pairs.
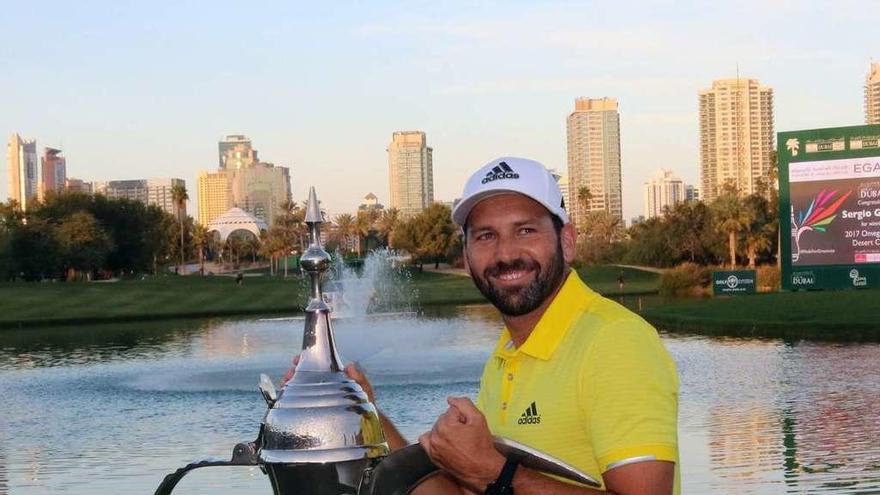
{"points": [[112, 409]]}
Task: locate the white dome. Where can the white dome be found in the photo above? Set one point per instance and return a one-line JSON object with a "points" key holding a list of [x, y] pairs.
{"points": [[236, 219]]}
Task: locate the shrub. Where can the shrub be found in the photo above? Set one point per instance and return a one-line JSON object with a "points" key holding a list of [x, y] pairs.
{"points": [[685, 278], [768, 278]]}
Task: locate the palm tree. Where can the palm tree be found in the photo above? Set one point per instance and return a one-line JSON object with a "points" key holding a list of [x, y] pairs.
{"points": [[180, 197], [363, 224], [584, 196], [345, 223], [387, 223], [200, 240], [730, 218]]}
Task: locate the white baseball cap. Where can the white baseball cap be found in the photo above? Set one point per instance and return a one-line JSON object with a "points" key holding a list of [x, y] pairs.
{"points": [[511, 175]]}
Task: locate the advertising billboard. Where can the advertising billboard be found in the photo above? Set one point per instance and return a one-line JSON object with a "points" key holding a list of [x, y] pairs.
{"points": [[733, 282], [829, 207]]}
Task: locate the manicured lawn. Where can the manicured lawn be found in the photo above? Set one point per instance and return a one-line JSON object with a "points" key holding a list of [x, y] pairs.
{"points": [[30, 304], [831, 315]]}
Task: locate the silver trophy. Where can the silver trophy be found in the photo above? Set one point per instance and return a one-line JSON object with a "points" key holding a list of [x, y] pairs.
{"points": [[321, 435]]}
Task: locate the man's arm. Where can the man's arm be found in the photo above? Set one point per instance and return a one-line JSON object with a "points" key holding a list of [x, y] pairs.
{"points": [[460, 443]]}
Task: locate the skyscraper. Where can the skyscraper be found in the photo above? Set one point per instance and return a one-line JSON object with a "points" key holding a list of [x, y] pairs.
{"points": [[148, 191], [664, 190], [411, 172], [594, 158], [872, 94], [736, 136], [236, 152], [53, 171], [242, 181], [215, 195], [21, 156]]}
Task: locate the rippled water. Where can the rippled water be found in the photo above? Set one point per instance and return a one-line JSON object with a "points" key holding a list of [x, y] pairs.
{"points": [[111, 410]]}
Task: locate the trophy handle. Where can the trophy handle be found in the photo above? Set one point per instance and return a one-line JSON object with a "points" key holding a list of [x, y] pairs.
{"points": [[243, 454], [404, 469]]}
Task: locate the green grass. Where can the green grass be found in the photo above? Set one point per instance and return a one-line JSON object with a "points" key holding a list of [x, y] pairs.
{"points": [[168, 297], [27, 304], [603, 279], [830, 315]]}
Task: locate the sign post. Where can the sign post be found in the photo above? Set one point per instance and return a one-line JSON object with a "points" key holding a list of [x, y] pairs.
{"points": [[733, 282], [829, 207]]}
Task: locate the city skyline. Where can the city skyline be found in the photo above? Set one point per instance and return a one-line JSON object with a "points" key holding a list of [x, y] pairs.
{"points": [[157, 77]]}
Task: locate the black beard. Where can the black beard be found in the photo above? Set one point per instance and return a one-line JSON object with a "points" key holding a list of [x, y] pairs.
{"points": [[523, 300]]}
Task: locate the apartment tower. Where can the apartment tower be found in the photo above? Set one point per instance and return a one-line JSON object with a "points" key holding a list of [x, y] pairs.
{"points": [[872, 94], [53, 175], [21, 156], [736, 136], [411, 172], [662, 191], [594, 159]]}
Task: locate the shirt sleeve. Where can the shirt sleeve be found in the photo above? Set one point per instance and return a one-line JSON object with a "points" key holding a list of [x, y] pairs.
{"points": [[631, 396]]}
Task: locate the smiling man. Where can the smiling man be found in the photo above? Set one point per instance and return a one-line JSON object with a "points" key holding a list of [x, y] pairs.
{"points": [[573, 374]]}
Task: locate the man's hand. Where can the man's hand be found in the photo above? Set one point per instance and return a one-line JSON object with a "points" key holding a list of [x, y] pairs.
{"points": [[461, 444]]}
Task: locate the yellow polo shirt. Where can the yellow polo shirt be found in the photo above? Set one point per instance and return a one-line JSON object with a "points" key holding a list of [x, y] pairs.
{"points": [[592, 385]]}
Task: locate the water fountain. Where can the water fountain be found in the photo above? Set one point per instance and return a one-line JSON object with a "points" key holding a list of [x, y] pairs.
{"points": [[379, 288], [321, 435]]}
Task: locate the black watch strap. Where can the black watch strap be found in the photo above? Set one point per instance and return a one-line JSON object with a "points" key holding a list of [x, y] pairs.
{"points": [[503, 485]]}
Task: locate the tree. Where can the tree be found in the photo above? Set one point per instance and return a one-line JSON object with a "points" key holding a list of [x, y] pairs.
{"points": [[761, 227], [430, 235], [200, 238], [601, 229], [363, 225], [387, 224], [83, 244], [179, 196], [345, 225], [730, 218], [34, 250], [686, 224], [584, 196]]}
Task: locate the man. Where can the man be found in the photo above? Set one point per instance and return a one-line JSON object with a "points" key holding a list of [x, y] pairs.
{"points": [[573, 374]]}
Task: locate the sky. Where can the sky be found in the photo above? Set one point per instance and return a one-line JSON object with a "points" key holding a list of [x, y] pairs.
{"points": [[146, 89]]}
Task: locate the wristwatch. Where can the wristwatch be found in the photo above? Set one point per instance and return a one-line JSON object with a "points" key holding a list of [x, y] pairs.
{"points": [[503, 485]]}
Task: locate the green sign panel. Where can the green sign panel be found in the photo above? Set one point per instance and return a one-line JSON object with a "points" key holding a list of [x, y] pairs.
{"points": [[734, 282], [829, 207]]}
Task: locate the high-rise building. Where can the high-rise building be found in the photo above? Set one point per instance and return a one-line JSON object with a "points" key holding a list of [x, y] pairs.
{"points": [[236, 152], [54, 171], [21, 156], [261, 189], [411, 172], [594, 159], [691, 193], [215, 195], [148, 191], [872, 94], [664, 190], [736, 136], [244, 182], [78, 185]]}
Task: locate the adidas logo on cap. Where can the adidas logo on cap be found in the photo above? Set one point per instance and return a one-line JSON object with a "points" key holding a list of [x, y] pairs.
{"points": [[500, 171], [531, 416]]}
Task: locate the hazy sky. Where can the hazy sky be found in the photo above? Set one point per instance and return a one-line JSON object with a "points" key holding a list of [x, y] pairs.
{"points": [[146, 89]]}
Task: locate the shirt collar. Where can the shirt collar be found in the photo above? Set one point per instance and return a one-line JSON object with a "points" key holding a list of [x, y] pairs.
{"points": [[571, 299]]}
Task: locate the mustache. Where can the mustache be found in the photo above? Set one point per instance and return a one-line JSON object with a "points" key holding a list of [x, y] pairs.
{"points": [[518, 264]]}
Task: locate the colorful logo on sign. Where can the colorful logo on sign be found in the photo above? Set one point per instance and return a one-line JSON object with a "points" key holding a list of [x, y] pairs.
{"points": [[820, 214]]}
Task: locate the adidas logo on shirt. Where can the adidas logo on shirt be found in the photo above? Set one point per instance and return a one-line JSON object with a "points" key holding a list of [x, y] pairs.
{"points": [[531, 416], [500, 171]]}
